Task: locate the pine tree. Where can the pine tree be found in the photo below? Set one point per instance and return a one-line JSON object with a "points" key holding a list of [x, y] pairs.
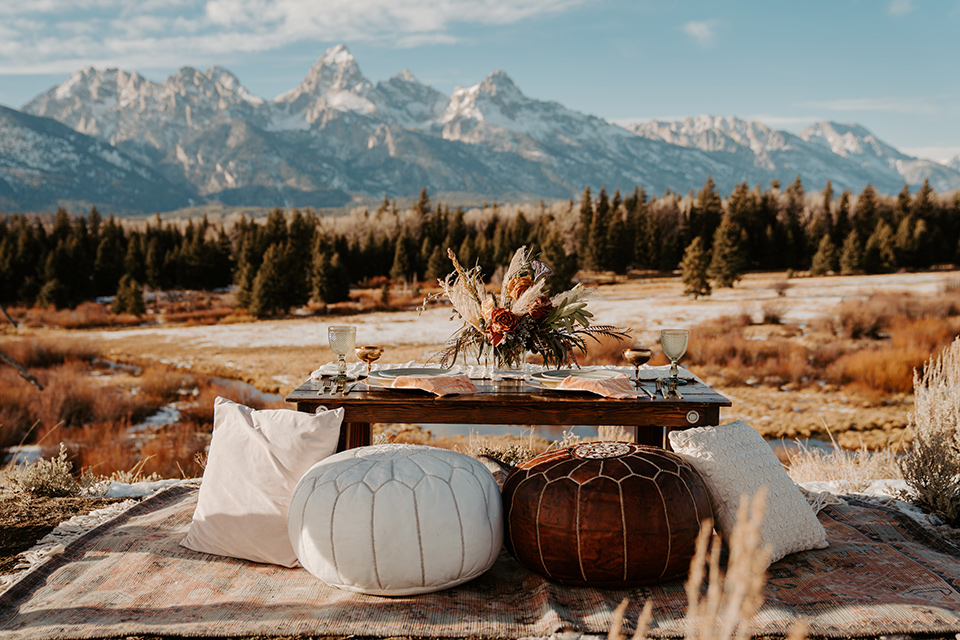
{"points": [[554, 255], [866, 212], [53, 294], [402, 268], [693, 270], [330, 281], [727, 260], [841, 221], [298, 258], [619, 242], [851, 255], [706, 213], [267, 297], [825, 259], [437, 265], [637, 214], [793, 245], [879, 253], [154, 263], [134, 262], [129, 297], [583, 228], [423, 204], [597, 251]]}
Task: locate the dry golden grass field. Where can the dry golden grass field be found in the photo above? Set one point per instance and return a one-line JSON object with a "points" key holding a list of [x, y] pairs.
{"points": [[800, 357]]}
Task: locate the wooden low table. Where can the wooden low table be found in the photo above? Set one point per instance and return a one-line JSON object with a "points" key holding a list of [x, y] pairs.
{"points": [[513, 402]]}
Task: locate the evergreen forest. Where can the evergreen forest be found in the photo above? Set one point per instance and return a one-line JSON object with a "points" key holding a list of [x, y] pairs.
{"points": [[293, 257]]}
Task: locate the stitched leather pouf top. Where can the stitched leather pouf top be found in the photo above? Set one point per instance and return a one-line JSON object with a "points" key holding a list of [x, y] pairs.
{"points": [[605, 514], [396, 519]]}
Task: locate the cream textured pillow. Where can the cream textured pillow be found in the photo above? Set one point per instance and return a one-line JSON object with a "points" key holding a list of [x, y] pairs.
{"points": [[256, 459], [735, 460]]}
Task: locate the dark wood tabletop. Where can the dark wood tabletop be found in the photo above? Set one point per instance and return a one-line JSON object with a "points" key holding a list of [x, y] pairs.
{"points": [[513, 402]]}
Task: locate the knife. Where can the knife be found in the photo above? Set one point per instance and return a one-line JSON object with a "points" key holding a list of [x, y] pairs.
{"points": [[642, 388]]}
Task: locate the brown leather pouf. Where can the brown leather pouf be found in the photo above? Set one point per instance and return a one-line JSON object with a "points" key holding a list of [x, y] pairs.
{"points": [[605, 514]]}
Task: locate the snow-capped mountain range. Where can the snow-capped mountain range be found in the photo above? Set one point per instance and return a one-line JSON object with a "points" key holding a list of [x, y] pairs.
{"points": [[202, 136]]}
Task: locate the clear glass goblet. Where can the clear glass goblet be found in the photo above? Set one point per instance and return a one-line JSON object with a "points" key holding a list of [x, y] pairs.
{"points": [[342, 340], [674, 343]]}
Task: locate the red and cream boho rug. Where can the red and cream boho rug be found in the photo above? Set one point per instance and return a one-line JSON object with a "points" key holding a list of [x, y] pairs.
{"points": [[882, 574]]}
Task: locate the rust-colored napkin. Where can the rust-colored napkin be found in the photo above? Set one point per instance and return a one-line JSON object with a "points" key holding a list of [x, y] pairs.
{"points": [[440, 385], [619, 386]]}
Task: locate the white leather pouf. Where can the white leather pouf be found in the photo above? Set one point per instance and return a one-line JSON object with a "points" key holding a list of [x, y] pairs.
{"points": [[396, 519]]}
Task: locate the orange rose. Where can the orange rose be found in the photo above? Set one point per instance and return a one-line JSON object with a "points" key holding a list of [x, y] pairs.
{"points": [[503, 320], [541, 308], [517, 286], [495, 337]]}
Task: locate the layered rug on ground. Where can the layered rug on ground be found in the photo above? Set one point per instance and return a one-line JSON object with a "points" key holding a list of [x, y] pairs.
{"points": [[882, 574]]}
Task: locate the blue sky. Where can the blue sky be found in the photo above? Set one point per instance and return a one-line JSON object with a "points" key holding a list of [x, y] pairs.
{"points": [[890, 65]]}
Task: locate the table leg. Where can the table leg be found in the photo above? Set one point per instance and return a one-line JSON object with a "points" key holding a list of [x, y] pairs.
{"points": [[651, 436], [353, 435]]}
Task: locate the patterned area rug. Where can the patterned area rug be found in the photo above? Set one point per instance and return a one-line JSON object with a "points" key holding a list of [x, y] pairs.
{"points": [[882, 574]]}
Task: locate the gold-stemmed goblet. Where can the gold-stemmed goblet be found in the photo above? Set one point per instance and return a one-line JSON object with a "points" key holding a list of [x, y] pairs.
{"points": [[369, 353], [636, 355]]}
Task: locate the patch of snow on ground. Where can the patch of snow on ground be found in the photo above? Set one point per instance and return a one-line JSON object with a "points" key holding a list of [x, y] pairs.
{"points": [[113, 489], [806, 299], [23, 454]]}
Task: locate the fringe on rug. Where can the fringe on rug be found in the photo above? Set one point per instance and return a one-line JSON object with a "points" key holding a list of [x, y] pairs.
{"points": [[66, 532]]}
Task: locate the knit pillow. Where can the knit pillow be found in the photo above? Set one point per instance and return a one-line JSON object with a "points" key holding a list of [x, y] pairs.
{"points": [[736, 461], [255, 460]]}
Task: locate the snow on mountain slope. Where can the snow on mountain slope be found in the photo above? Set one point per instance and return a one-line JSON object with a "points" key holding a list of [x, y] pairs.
{"points": [[338, 134], [411, 102], [45, 163], [847, 154]]}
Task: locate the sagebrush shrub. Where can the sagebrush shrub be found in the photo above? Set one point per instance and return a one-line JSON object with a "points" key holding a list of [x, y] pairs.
{"points": [[46, 478], [932, 465]]}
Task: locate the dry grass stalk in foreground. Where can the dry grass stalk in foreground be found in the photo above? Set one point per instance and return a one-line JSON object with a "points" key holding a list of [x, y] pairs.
{"points": [[733, 597], [932, 465]]}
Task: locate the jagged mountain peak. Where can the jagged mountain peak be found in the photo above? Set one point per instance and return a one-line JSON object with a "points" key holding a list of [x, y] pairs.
{"points": [[336, 70], [849, 140], [336, 132], [99, 85], [409, 101], [407, 76], [333, 83], [216, 83], [499, 83]]}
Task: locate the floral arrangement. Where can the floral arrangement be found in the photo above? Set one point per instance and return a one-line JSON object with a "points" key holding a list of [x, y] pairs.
{"points": [[521, 318]]}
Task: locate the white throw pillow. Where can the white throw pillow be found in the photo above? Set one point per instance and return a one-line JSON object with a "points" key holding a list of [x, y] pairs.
{"points": [[735, 460], [256, 458], [396, 519]]}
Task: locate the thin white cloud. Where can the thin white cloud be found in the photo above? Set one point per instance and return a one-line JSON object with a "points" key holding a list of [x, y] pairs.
{"points": [[159, 34], [703, 32], [912, 106], [900, 7]]}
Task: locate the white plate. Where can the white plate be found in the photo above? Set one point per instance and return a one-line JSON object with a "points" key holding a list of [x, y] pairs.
{"points": [[420, 372], [595, 374]]}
